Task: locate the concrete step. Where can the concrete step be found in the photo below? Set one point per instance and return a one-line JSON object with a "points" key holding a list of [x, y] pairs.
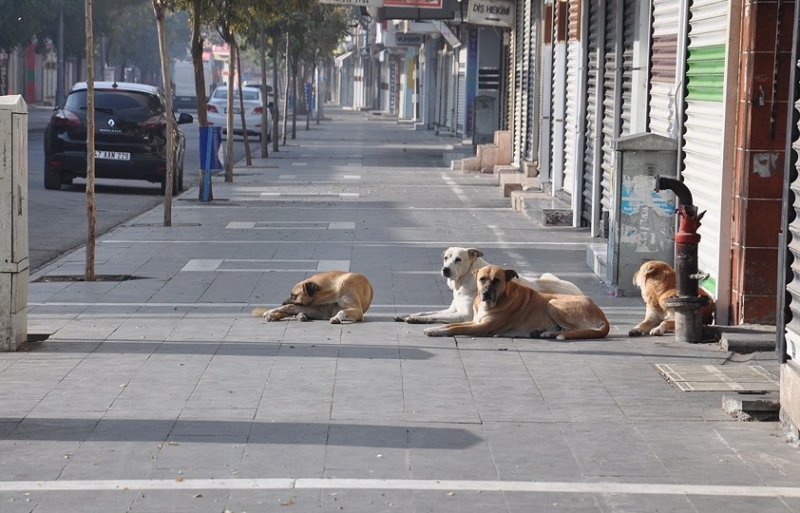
{"points": [[541, 208], [747, 338], [596, 259]]}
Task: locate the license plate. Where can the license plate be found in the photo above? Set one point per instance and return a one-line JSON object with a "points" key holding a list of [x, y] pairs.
{"points": [[235, 110], [112, 155]]}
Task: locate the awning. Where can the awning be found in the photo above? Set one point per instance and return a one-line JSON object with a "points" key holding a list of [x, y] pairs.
{"points": [[340, 58]]}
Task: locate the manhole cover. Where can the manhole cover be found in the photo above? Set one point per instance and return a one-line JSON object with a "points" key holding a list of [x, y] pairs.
{"points": [[712, 378]]}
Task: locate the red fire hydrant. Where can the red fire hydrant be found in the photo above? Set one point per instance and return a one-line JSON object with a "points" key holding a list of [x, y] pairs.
{"points": [[688, 304]]}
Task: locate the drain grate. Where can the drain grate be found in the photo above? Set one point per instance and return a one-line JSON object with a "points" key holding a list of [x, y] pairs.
{"points": [[713, 378]]}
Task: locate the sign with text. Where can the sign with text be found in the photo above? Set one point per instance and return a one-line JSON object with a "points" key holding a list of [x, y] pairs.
{"points": [[355, 3], [491, 12], [416, 4], [409, 39]]}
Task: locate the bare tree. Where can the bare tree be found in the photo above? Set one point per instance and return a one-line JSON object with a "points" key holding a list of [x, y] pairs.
{"points": [[248, 157], [91, 205], [160, 9]]}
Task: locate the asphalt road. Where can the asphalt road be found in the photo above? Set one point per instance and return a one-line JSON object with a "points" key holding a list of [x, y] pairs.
{"points": [[57, 220]]}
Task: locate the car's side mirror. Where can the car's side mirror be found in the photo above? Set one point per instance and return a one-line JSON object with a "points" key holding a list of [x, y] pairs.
{"points": [[185, 118]]}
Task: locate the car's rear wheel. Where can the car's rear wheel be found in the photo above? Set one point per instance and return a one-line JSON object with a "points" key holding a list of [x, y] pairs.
{"points": [[52, 179]]}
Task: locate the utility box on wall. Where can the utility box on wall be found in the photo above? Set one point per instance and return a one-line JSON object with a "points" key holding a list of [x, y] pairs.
{"points": [[642, 224], [14, 263]]}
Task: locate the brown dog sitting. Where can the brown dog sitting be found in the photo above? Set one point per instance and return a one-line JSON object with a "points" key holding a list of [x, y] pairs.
{"points": [[506, 308], [335, 295], [656, 280]]}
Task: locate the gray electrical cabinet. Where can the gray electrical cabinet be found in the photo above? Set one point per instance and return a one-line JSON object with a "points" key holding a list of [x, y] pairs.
{"points": [[642, 221], [14, 271]]}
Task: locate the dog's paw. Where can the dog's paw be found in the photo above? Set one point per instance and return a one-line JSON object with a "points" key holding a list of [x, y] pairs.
{"points": [[271, 315], [658, 331], [635, 332], [401, 318], [434, 332], [301, 317], [550, 334]]}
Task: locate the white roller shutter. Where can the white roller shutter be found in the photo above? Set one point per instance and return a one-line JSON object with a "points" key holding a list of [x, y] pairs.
{"points": [[705, 120], [449, 118], [461, 103], [573, 101], [663, 79], [612, 77], [594, 109]]}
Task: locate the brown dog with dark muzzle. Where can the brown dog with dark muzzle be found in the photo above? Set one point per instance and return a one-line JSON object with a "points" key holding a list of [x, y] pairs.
{"points": [[506, 308]]}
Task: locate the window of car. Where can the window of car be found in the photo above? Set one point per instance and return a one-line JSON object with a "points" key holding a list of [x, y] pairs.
{"points": [[134, 105], [249, 95]]}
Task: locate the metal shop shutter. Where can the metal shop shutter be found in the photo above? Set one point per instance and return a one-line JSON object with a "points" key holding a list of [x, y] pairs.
{"points": [[703, 128], [571, 122], [612, 76], [461, 103], [594, 109], [450, 103], [663, 66], [629, 24], [533, 47], [521, 78]]}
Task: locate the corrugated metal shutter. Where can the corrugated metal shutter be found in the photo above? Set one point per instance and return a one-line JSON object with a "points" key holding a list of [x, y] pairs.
{"points": [[559, 85], [703, 129], [461, 104], [593, 109], [612, 76], [572, 123], [789, 345], [449, 118], [629, 24], [531, 55], [545, 55], [666, 18], [520, 78]]}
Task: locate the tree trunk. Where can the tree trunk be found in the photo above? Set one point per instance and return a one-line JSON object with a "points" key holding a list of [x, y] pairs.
{"points": [[229, 119], [296, 99], [247, 155], [160, 9], [200, 89], [276, 34], [286, 92], [90, 199], [265, 96]]}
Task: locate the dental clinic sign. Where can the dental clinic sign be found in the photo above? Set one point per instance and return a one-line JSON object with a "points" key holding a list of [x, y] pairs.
{"points": [[491, 12]]}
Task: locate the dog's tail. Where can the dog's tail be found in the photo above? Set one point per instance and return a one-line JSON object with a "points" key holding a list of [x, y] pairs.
{"points": [[259, 312]]}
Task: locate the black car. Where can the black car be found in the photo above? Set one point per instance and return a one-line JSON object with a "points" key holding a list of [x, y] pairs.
{"points": [[130, 136]]}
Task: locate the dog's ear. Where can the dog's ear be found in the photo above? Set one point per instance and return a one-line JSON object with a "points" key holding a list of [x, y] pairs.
{"points": [[310, 288], [511, 274], [474, 254]]}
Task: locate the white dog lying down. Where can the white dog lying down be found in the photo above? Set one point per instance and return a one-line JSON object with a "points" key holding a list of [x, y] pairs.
{"points": [[459, 267]]}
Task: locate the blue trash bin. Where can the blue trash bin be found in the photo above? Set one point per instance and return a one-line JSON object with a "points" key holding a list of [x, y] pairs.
{"points": [[216, 140]]}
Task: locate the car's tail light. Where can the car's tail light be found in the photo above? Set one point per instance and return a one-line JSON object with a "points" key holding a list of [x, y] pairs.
{"points": [[211, 108], [258, 110], [155, 122], [65, 117]]}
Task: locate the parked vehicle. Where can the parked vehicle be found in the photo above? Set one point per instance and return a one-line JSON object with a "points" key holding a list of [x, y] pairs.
{"points": [[184, 94], [130, 136], [217, 109]]}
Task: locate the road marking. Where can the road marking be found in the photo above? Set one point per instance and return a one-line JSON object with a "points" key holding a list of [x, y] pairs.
{"points": [[291, 225], [609, 488], [566, 246], [316, 194], [299, 163], [216, 265]]}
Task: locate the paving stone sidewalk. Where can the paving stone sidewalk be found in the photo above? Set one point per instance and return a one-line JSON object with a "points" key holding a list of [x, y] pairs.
{"points": [[162, 392]]}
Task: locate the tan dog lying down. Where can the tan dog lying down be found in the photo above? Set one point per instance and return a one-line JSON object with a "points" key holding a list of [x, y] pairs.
{"points": [[506, 308], [335, 295], [459, 266], [656, 280]]}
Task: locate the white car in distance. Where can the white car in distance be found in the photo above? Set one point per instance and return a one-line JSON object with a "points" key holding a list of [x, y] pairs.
{"points": [[217, 109]]}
